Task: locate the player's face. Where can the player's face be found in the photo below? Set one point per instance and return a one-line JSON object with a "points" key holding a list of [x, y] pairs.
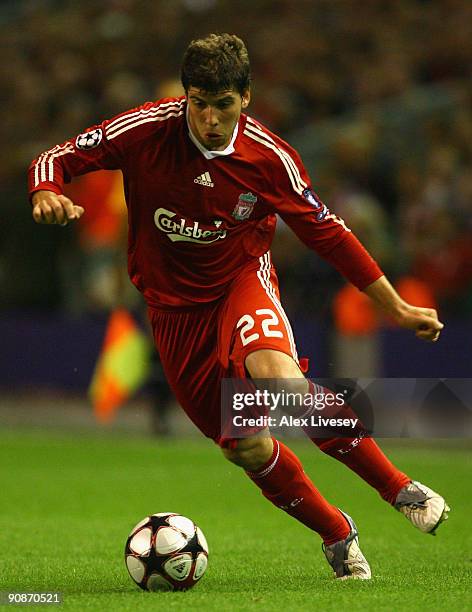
{"points": [[213, 116]]}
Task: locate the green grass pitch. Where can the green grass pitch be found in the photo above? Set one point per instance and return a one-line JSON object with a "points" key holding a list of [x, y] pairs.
{"points": [[69, 501]]}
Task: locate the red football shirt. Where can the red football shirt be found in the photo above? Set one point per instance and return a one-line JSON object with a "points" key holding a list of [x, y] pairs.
{"points": [[197, 217]]}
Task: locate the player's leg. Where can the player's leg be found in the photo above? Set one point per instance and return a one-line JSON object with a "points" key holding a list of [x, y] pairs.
{"points": [[425, 508], [422, 506], [253, 322], [362, 455], [283, 481], [280, 476], [187, 345]]}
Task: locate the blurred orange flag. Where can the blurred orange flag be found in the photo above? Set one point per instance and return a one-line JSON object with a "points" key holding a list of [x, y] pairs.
{"points": [[122, 366]]}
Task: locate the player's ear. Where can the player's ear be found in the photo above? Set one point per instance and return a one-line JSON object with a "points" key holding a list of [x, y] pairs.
{"points": [[246, 98]]}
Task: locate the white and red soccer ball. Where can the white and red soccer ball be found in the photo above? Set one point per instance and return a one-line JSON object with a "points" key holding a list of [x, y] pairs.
{"points": [[166, 551]]}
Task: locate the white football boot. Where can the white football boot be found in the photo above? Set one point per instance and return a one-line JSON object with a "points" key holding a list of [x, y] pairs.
{"points": [[345, 556], [424, 508]]}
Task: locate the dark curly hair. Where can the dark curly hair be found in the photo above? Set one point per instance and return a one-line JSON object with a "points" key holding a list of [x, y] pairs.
{"points": [[216, 63]]}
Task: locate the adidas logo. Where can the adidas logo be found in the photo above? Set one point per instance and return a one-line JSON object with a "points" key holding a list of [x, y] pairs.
{"points": [[204, 179]]}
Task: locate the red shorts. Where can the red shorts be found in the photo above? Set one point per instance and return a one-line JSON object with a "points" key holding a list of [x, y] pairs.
{"points": [[201, 346]]}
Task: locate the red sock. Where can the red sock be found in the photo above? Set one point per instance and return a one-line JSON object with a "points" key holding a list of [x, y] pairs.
{"points": [[364, 457], [284, 483], [360, 453]]}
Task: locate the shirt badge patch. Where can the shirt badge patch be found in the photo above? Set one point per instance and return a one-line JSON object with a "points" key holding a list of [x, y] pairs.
{"points": [[89, 140], [320, 208], [244, 207]]}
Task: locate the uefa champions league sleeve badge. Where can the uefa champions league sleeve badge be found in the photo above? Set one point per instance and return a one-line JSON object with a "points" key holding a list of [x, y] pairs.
{"points": [[89, 140]]}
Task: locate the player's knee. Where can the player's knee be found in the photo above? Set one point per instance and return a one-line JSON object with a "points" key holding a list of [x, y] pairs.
{"points": [[250, 453], [269, 363]]}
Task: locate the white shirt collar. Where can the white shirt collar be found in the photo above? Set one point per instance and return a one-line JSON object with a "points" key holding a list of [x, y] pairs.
{"points": [[212, 154]]}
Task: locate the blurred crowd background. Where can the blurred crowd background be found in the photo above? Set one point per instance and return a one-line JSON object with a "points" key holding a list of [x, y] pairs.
{"points": [[376, 96]]}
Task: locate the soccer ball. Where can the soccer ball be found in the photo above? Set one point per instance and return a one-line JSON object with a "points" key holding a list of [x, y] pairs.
{"points": [[166, 552]]}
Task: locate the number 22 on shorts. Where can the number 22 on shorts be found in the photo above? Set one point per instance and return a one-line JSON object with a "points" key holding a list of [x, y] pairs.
{"points": [[270, 320]]}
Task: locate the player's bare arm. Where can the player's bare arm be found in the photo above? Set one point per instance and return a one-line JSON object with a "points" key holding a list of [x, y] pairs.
{"points": [[424, 321], [50, 208]]}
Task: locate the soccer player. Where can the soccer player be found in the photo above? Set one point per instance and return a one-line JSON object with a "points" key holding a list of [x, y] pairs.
{"points": [[203, 183]]}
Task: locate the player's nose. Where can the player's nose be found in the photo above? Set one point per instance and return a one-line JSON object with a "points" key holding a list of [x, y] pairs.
{"points": [[211, 117]]}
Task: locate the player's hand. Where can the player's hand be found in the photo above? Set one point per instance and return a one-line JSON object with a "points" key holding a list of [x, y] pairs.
{"points": [[424, 321], [50, 208]]}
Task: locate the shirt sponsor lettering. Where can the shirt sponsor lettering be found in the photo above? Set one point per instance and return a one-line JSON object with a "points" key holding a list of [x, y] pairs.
{"points": [[184, 230]]}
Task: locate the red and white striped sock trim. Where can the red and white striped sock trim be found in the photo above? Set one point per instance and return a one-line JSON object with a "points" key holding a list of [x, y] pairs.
{"points": [[314, 389], [271, 463]]}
